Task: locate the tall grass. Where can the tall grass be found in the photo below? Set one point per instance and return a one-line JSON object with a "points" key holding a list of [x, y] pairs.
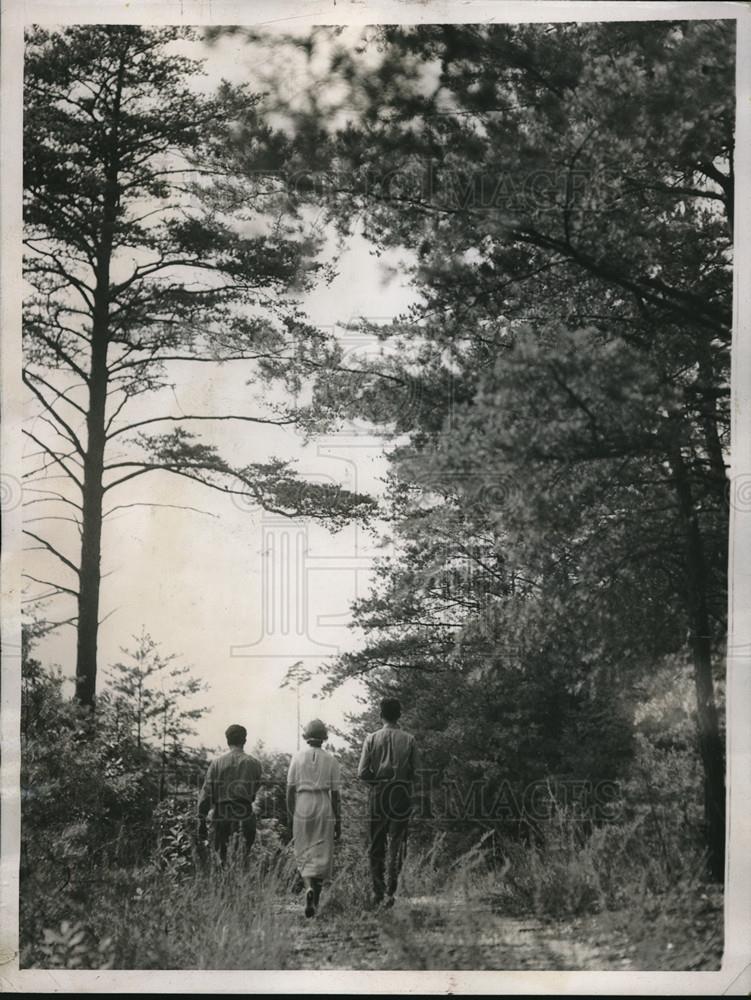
{"points": [[450, 914]]}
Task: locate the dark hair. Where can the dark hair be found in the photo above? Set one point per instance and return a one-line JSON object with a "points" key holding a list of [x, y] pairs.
{"points": [[315, 730], [391, 709], [236, 735]]}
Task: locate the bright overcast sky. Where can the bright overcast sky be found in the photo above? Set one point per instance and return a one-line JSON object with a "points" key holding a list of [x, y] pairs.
{"points": [[239, 594]]}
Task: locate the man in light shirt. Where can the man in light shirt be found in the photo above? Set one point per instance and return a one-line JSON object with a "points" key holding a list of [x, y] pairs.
{"points": [[229, 790], [388, 764]]}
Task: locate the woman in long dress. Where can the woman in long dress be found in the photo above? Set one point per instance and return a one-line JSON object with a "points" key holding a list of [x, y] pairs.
{"points": [[314, 802]]}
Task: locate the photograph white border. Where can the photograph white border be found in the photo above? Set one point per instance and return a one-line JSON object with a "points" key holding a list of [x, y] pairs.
{"points": [[734, 978]]}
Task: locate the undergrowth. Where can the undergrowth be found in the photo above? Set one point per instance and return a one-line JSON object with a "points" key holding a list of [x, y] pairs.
{"points": [[179, 912]]}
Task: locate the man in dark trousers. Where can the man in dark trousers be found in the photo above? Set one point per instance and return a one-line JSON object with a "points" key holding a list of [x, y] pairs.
{"points": [[388, 764], [229, 790]]}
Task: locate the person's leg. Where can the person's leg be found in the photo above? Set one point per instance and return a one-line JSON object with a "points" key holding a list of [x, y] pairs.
{"points": [[377, 834], [317, 885], [397, 850], [399, 810], [248, 834], [310, 896], [222, 833], [236, 843], [377, 852]]}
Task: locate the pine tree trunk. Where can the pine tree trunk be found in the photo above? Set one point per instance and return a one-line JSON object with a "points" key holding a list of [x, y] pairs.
{"points": [[93, 487], [91, 527], [711, 746], [91, 519]]}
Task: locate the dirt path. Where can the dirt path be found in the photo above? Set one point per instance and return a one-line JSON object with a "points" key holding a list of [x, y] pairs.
{"points": [[429, 932]]}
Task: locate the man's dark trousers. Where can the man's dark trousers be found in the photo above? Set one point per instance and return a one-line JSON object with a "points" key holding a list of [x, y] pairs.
{"points": [[233, 819], [390, 807]]}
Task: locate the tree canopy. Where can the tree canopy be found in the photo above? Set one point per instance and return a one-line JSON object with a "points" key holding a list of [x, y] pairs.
{"points": [[566, 193]]}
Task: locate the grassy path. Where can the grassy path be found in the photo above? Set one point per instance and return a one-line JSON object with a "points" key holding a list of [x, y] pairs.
{"points": [[431, 932]]}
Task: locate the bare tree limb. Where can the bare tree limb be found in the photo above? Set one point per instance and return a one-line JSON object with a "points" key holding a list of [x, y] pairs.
{"points": [[63, 355], [51, 626], [43, 541], [145, 503], [49, 583], [155, 420], [52, 517], [54, 497], [41, 597], [118, 409], [108, 615], [69, 432], [55, 457], [58, 393], [153, 359]]}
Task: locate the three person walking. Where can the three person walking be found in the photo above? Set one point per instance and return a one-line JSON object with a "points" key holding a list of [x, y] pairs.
{"points": [[388, 765]]}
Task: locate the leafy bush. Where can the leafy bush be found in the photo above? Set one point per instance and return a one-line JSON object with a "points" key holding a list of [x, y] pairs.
{"points": [[73, 946]]}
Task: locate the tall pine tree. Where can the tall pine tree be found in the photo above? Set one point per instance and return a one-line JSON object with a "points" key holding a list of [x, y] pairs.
{"points": [[142, 252]]}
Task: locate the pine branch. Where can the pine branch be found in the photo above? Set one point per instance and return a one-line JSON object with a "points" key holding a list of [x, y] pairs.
{"points": [[53, 497], [50, 626], [51, 548], [145, 503], [154, 420], [59, 394], [53, 517], [84, 290], [69, 432], [54, 456], [49, 583], [63, 355]]}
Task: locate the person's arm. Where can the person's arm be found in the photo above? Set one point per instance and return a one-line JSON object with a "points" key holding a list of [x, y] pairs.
{"points": [[336, 802], [205, 801], [291, 790], [256, 800], [414, 760], [365, 770], [336, 799], [256, 780], [291, 798]]}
